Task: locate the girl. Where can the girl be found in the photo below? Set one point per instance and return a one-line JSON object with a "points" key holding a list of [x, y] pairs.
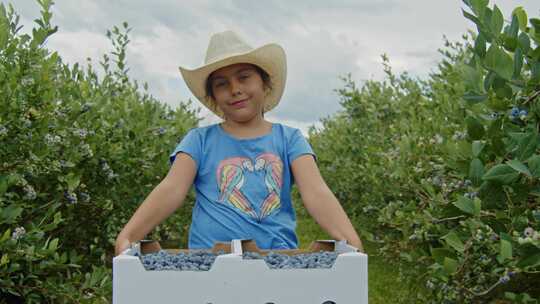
{"points": [[244, 167]]}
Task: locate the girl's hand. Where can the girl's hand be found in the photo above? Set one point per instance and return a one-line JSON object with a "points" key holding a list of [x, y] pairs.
{"points": [[358, 244], [121, 245]]}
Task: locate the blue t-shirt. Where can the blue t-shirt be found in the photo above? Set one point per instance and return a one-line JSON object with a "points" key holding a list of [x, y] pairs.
{"points": [[243, 186]]}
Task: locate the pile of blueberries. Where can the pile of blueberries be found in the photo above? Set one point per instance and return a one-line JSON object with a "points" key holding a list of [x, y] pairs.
{"points": [[202, 260], [321, 259]]}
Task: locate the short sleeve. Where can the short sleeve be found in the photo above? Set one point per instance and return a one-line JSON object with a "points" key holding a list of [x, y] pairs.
{"points": [[298, 145], [191, 145]]}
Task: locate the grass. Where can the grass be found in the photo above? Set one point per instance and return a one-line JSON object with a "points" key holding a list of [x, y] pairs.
{"points": [[384, 284]]}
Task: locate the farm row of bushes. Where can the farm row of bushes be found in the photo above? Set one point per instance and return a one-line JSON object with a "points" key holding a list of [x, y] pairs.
{"points": [[78, 154], [445, 172]]}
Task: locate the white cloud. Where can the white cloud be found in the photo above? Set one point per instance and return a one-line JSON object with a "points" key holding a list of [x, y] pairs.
{"points": [[158, 54], [80, 45], [323, 40]]}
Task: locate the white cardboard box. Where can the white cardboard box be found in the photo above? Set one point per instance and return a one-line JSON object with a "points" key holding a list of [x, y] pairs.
{"points": [[233, 280]]}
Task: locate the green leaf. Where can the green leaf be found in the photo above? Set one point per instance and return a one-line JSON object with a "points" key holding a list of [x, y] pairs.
{"points": [[72, 181], [499, 61], [521, 15], [453, 241], [53, 245], [4, 27], [407, 257], [477, 147], [534, 165], [514, 27], [476, 171], [475, 129], [489, 79], [524, 42], [518, 166], [502, 89], [479, 6], [439, 254], [497, 21], [471, 17], [466, 205], [535, 22], [506, 250], [472, 78], [510, 295], [450, 265], [6, 236], [10, 214], [509, 43], [498, 146], [7, 181], [477, 206], [46, 245], [480, 45], [518, 63], [3, 184], [535, 36], [532, 260], [527, 146], [503, 174], [535, 71], [41, 34], [57, 218], [4, 260], [473, 98]]}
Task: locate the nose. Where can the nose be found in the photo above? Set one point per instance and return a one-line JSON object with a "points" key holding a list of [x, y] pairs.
{"points": [[235, 88]]}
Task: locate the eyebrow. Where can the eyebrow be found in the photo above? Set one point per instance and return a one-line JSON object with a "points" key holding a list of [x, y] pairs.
{"points": [[237, 72]]}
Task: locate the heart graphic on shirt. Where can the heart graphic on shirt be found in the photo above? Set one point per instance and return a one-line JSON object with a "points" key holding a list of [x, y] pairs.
{"points": [[232, 174]]}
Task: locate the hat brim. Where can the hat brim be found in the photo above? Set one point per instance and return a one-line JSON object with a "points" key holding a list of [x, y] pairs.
{"points": [[270, 57]]}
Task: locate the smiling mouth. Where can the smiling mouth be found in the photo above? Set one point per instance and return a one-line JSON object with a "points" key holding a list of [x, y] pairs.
{"points": [[239, 103]]}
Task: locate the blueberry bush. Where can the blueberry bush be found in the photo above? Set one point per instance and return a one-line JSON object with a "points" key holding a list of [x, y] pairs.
{"points": [[78, 154], [449, 166]]}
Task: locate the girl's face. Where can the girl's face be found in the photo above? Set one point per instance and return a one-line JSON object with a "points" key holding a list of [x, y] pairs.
{"points": [[238, 91]]}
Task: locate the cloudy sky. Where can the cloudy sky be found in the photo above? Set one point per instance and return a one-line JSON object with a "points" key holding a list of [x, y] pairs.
{"points": [[323, 40]]}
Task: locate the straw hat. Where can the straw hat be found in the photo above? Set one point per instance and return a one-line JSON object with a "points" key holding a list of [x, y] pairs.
{"points": [[228, 48]]}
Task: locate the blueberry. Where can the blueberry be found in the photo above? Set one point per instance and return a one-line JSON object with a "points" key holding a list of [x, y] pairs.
{"points": [[504, 279], [202, 261], [514, 112], [528, 232]]}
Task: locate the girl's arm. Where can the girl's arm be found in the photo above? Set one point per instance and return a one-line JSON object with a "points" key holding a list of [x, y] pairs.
{"points": [[166, 197], [321, 203]]}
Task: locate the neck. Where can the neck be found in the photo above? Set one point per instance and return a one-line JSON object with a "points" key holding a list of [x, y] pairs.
{"points": [[254, 127]]}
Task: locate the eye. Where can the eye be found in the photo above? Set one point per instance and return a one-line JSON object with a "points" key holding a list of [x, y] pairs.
{"points": [[218, 84]]}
